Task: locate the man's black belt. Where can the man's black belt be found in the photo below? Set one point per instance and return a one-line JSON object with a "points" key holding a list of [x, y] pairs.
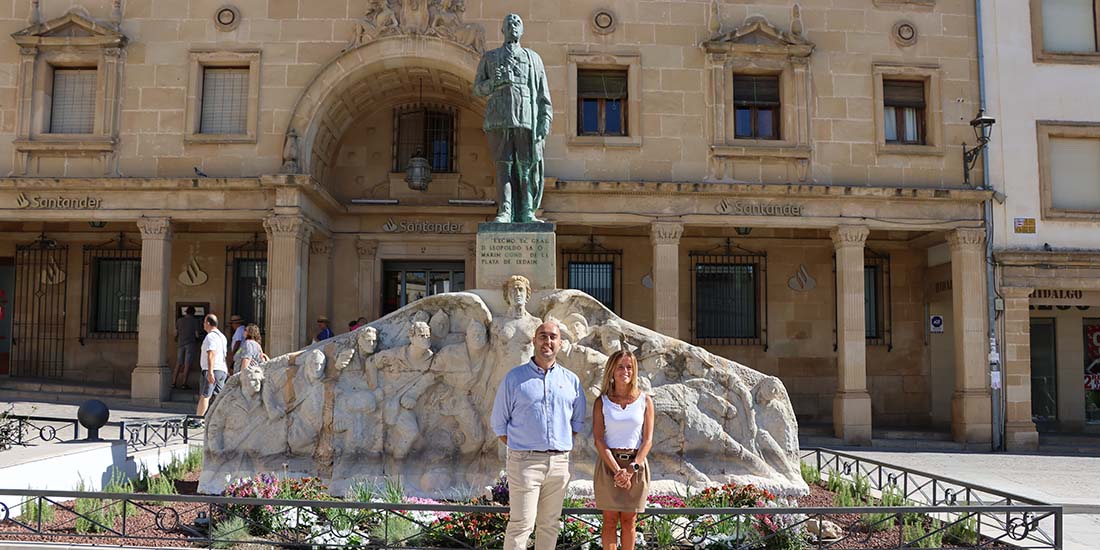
{"points": [[550, 452]]}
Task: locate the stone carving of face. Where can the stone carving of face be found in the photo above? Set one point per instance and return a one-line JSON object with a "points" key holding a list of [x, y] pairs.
{"points": [[314, 365], [517, 295], [252, 379], [767, 391], [420, 335], [512, 28], [368, 339]]}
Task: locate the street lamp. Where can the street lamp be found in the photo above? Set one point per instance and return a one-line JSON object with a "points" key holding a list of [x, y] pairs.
{"points": [[981, 125]]}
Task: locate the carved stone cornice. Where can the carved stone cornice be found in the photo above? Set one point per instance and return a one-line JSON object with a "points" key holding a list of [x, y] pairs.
{"points": [[757, 37], [966, 238], [666, 232], [849, 235], [155, 228], [367, 248], [321, 248], [443, 19], [283, 225]]}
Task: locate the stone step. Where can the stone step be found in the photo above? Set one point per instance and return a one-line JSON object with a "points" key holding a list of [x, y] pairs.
{"points": [[55, 387]]}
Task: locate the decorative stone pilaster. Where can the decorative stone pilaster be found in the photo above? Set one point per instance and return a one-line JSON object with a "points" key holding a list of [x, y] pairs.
{"points": [[852, 403], [149, 382], [665, 237], [971, 409], [471, 263], [27, 59], [1020, 433], [287, 275], [368, 253], [320, 281]]}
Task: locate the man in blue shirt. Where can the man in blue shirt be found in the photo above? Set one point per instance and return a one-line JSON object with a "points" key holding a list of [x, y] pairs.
{"points": [[325, 333], [539, 407]]}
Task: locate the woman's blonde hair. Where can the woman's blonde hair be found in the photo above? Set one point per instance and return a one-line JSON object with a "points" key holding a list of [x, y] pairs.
{"points": [[252, 332], [609, 372]]}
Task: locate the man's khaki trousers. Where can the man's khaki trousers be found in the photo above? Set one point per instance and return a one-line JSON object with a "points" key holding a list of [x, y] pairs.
{"points": [[536, 487]]}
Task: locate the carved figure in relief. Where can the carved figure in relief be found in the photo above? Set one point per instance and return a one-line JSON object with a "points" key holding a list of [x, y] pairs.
{"points": [[456, 368], [380, 20], [305, 404], [511, 334], [402, 379], [445, 20], [777, 434], [234, 445]]}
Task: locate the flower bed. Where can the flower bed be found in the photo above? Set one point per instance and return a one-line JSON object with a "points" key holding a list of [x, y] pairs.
{"points": [[396, 520]]}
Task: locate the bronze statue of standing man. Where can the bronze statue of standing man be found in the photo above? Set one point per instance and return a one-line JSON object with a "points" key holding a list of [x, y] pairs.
{"points": [[517, 121]]}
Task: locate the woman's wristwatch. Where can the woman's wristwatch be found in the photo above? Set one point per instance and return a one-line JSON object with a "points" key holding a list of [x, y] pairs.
{"points": [[634, 466]]}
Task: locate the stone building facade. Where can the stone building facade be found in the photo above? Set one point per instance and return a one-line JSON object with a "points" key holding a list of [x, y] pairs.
{"points": [[779, 182], [1044, 158]]}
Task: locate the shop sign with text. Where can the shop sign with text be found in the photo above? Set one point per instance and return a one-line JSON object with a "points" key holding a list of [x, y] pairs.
{"points": [[754, 208], [39, 202], [421, 226]]}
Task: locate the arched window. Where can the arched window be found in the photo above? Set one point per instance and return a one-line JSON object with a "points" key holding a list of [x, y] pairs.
{"points": [[427, 130]]}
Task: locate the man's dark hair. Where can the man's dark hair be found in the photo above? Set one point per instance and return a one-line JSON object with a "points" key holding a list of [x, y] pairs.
{"points": [[190, 311], [212, 320]]}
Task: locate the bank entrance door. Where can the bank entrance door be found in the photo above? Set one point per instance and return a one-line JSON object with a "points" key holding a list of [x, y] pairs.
{"points": [[406, 282], [1044, 383]]}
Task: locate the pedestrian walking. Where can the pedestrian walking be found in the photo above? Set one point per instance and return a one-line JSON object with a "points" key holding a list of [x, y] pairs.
{"points": [[188, 336], [236, 324], [212, 361]]}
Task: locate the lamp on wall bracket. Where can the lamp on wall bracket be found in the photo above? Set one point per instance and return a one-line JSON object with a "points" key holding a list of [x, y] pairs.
{"points": [[981, 125], [418, 174], [98, 224], [742, 231]]}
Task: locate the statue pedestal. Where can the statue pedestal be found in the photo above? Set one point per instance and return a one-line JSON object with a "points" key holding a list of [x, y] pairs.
{"points": [[506, 249]]}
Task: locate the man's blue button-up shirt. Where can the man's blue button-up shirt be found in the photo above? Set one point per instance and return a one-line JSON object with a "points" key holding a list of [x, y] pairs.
{"points": [[537, 411]]}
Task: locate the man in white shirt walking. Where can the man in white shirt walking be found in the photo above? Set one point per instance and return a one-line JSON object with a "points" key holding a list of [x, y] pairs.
{"points": [[212, 361]]}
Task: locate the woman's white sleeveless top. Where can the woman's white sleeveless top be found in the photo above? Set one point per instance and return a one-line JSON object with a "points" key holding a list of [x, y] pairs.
{"points": [[623, 427]]}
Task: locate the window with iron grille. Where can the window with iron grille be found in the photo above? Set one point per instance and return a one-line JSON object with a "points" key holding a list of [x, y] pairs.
{"points": [[111, 289], [729, 297], [903, 111], [73, 108], [224, 100], [601, 102], [756, 106], [596, 271], [246, 281], [426, 131]]}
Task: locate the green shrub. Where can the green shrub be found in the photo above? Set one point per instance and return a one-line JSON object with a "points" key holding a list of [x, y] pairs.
{"points": [[835, 481], [810, 473], [119, 483], [395, 530], [192, 462], [844, 497], [862, 488], [917, 536], [963, 532], [229, 532], [93, 515], [891, 496], [37, 508]]}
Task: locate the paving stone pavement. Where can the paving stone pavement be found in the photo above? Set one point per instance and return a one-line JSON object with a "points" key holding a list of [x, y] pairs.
{"points": [[1071, 481]]}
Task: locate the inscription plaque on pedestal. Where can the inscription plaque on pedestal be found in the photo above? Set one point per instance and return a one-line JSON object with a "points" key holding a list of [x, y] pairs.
{"points": [[506, 249]]}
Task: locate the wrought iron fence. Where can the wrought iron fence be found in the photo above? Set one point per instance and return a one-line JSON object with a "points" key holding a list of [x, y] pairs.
{"points": [[138, 435], [142, 520]]}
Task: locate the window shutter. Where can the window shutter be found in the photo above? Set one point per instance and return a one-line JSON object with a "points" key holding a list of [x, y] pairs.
{"points": [[903, 93], [224, 101], [1069, 26], [73, 108], [601, 84], [750, 90]]}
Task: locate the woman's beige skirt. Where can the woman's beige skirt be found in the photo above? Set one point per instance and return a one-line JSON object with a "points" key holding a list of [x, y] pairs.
{"points": [[615, 499]]}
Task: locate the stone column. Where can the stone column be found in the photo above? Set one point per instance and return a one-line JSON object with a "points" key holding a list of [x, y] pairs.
{"points": [[321, 283], [665, 237], [287, 274], [852, 403], [1020, 433], [471, 265], [149, 383], [368, 293], [971, 409]]}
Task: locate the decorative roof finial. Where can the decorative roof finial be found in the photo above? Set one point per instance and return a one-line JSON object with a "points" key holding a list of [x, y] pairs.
{"points": [[715, 23], [35, 16], [796, 20], [116, 12]]}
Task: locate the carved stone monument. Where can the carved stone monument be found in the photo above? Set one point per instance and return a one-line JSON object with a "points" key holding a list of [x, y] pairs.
{"points": [[409, 395]]}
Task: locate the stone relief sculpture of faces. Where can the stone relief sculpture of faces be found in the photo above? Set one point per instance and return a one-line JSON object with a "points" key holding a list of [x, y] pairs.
{"points": [[420, 335], [367, 339], [252, 379], [313, 362], [517, 290], [477, 334]]}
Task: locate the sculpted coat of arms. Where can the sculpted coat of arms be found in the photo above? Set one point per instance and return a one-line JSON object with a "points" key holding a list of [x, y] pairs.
{"points": [[441, 18]]}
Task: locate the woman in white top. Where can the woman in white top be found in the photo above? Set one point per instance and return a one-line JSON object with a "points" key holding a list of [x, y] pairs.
{"points": [[622, 424]]}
